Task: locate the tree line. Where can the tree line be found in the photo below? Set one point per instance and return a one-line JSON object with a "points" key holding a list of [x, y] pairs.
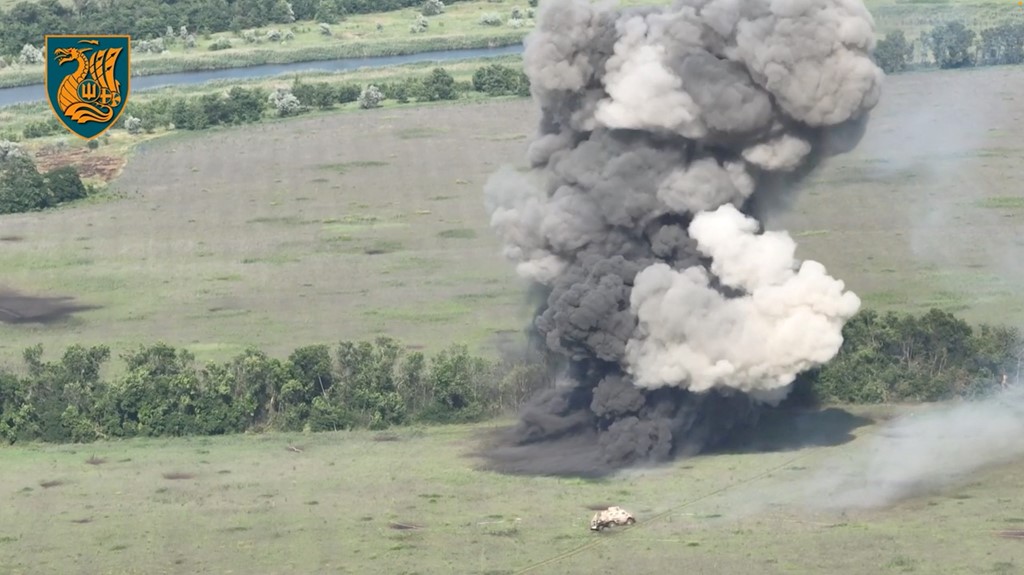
{"points": [[165, 392], [246, 105], [27, 22], [954, 45], [377, 384]]}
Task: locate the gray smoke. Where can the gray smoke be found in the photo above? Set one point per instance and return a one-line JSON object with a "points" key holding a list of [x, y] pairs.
{"points": [[665, 133]]}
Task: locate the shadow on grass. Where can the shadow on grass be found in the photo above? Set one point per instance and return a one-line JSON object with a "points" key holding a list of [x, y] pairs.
{"points": [[788, 429], [17, 308], [576, 451]]}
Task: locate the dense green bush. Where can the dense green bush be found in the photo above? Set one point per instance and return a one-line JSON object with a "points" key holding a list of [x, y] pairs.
{"points": [[24, 189], [892, 54], [238, 106], [498, 80], [902, 357]]}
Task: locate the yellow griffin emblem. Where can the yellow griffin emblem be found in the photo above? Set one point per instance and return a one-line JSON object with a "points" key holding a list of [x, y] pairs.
{"points": [[87, 85]]}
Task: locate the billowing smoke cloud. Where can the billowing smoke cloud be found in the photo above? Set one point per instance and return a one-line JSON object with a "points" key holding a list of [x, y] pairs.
{"points": [[665, 133]]}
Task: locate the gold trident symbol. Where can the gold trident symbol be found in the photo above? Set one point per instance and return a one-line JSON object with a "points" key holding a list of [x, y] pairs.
{"points": [[88, 91]]}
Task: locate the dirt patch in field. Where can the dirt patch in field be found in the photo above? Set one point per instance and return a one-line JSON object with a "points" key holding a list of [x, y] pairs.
{"points": [[19, 308], [1012, 534], [90, 164]]}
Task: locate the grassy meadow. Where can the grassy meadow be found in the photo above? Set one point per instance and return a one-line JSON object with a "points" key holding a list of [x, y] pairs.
{"points": [[352, 224], [337, 503]]}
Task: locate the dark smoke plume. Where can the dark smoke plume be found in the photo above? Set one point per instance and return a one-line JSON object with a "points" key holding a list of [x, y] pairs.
{"points": [[665, 133]]}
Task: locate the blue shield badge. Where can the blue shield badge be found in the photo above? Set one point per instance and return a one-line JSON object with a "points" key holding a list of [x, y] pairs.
{"points": [[87, 81]]}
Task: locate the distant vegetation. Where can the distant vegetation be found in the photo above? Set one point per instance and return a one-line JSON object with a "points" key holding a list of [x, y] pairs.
{"points": [[23, 188], [241, 105], [906, 358], [27, 22], [954, 45], [164, 393], [885, 358], [213, 36]]}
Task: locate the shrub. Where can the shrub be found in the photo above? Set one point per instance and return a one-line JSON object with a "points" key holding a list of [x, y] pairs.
{"points": [[499, 80], [439, 85], [220, 44], [348, 93], [24, 189], [319, 95], [893, 52], [31, 55], [284, 102], [371, 97], [132, 124], [490, 19], [432, 8], [420, 25]]}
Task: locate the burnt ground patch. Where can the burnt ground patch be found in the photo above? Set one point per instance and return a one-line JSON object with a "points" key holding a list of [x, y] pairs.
{"points": [[17, 308]]}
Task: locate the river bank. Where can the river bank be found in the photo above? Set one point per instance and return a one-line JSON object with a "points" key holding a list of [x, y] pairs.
{"points": [[36, 94], [184, 63]]}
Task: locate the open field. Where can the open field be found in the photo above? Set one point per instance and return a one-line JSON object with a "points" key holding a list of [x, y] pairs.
{"points": [[337, 503], [349, 225]]}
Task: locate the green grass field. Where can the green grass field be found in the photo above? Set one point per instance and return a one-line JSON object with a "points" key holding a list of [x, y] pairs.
{"points": [[353, 224], [339, 503]]}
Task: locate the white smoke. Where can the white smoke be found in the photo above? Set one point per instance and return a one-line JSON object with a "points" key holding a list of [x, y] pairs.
{"points": [[689, 334], [921, 452]]}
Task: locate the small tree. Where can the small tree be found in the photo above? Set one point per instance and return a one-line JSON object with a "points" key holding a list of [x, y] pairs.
{"points": [[371, 97], [132, 124], [31, 55], [439, 85], [432, 8], [490, 19], [9, 149], [951, 45], [420, 25], [893, 52], [284, 102]]}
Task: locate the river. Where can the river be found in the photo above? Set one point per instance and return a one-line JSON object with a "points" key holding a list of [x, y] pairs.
{"points": [[37, 93]]}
